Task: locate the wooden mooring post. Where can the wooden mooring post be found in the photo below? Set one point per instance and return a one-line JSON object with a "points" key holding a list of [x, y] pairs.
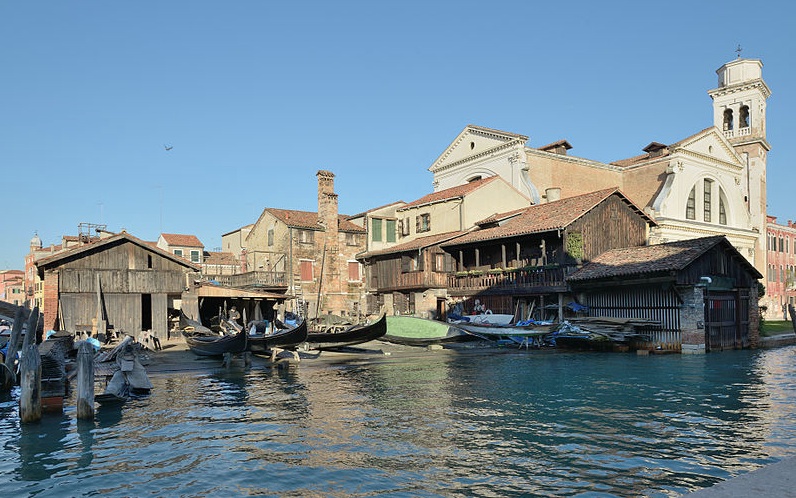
{"points": [[30, 384], [85, 381], [30, 373]]}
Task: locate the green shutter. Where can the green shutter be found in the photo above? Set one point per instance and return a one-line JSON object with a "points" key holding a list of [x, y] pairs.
{"points": [[390, 230], [376, 237]]}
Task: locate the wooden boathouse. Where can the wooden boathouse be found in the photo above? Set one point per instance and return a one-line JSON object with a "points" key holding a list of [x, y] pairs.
{"points": [[518, 262], [116, 284], [703, 292]]}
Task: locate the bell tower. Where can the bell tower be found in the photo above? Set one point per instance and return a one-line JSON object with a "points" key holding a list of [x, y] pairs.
{"points": [[739, 112]]}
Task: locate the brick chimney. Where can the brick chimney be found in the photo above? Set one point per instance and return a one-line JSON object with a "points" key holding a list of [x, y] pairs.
{"points": [[327, 205]]}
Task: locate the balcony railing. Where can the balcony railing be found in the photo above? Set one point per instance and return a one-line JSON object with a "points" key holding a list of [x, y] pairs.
{"points": [[740, 132], [533, 278], [267, 279], [416, 280]]}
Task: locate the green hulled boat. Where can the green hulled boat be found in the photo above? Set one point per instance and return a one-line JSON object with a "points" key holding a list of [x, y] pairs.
{"points": [[414, 331]]}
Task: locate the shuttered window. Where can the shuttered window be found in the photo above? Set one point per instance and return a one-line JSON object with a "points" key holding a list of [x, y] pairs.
{"points": [[305, 270], [353, 272], [390, 230], [376, 230]]}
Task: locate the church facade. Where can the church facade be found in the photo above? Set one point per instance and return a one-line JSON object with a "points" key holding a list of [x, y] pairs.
{"points": [[712, 182]]}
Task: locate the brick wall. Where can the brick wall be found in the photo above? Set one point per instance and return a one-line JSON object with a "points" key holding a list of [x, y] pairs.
{"points": [[50, 304]]}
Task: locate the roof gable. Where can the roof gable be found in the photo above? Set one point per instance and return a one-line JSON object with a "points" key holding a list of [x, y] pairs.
{"points": [[309, 220], [451, 193], [474, 140], [181, 240], [546, 217], [672, 256], [78, 252]]}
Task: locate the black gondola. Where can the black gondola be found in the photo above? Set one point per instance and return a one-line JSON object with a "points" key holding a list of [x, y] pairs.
{"points": [[215, 345], [356, 334], [283, 338]]}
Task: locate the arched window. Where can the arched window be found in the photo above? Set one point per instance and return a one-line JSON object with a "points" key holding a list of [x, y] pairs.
{"points": [[727, 119], [722, 207], [743, 117], [707, 202], [690, 207]]}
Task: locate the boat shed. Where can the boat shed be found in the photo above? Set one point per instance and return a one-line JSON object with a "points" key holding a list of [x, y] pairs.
{"points": [[207, 300], [703, 292], [118, 284]]}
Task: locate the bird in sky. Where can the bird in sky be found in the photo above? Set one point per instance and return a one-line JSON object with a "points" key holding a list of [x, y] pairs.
{"points": [[168, 147]]}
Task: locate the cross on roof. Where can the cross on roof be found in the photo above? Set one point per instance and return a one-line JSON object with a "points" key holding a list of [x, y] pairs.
{"points": [[738, 50]]}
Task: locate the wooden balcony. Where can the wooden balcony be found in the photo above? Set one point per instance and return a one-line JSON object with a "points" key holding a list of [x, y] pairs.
{"points": [[522, 280], [415, 280], [276, 280]]}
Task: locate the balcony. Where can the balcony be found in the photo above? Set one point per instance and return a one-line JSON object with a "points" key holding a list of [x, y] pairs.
{"points": [[276, 280], [414, 280], [540, 279], [740, 132]]}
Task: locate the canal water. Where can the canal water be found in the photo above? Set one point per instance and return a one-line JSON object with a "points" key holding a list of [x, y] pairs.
{"points": [[475, 423]]}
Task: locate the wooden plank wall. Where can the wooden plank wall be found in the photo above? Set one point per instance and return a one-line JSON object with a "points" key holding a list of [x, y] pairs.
{"points": [[645, 302]]}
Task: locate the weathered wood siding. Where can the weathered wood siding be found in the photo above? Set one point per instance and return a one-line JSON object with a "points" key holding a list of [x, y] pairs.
{"points": [[610, 225], [121, 281]]}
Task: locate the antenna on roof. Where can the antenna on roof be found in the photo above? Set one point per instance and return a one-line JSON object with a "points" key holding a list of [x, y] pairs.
{"points": [[738, 50]]}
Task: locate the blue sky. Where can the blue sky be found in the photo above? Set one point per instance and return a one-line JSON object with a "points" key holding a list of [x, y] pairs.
{"points": [[256, 96]]}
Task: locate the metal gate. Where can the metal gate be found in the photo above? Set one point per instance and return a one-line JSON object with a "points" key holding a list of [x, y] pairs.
{"points": [[726, 320]]}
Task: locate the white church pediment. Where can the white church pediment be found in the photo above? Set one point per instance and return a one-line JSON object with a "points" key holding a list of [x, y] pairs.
{"points": [[474, 141], [710, 144]]}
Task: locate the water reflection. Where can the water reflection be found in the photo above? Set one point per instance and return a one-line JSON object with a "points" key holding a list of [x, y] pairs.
{"points": [[443, 423]]}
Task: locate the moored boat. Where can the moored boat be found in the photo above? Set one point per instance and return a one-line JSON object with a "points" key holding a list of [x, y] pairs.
{"points": [[350, 336], [415, 331], [285, 337], [532, 334], [212, 344]]}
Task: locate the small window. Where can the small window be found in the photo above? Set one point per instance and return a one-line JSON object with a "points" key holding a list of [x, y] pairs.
{"points": [[178, 252], [354, 274], [423, 223], [405, 227], [722, 212], [351, 239], [270, 236], [376, 230], [149, 261], [306, 236], [390, 226], [305, 270], [195, 257]]}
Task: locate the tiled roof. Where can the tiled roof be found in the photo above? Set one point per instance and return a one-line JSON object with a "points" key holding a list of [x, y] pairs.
{"points": [[220, 258], [450, 193], [309, 220], [176, 239], [108, 241], [543, 217], [672, 256], [414, 244]]}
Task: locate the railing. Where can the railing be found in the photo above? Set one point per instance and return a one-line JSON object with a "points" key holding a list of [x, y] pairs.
{"points": [[416, 280], [741, 132], [516, 279], [254, 279]]}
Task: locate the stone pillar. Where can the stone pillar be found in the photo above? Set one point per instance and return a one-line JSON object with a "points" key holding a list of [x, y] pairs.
{"points": [[692, 321]]}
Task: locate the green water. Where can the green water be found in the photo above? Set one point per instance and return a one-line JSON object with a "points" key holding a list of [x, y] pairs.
{"points": [[428, 423]]}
